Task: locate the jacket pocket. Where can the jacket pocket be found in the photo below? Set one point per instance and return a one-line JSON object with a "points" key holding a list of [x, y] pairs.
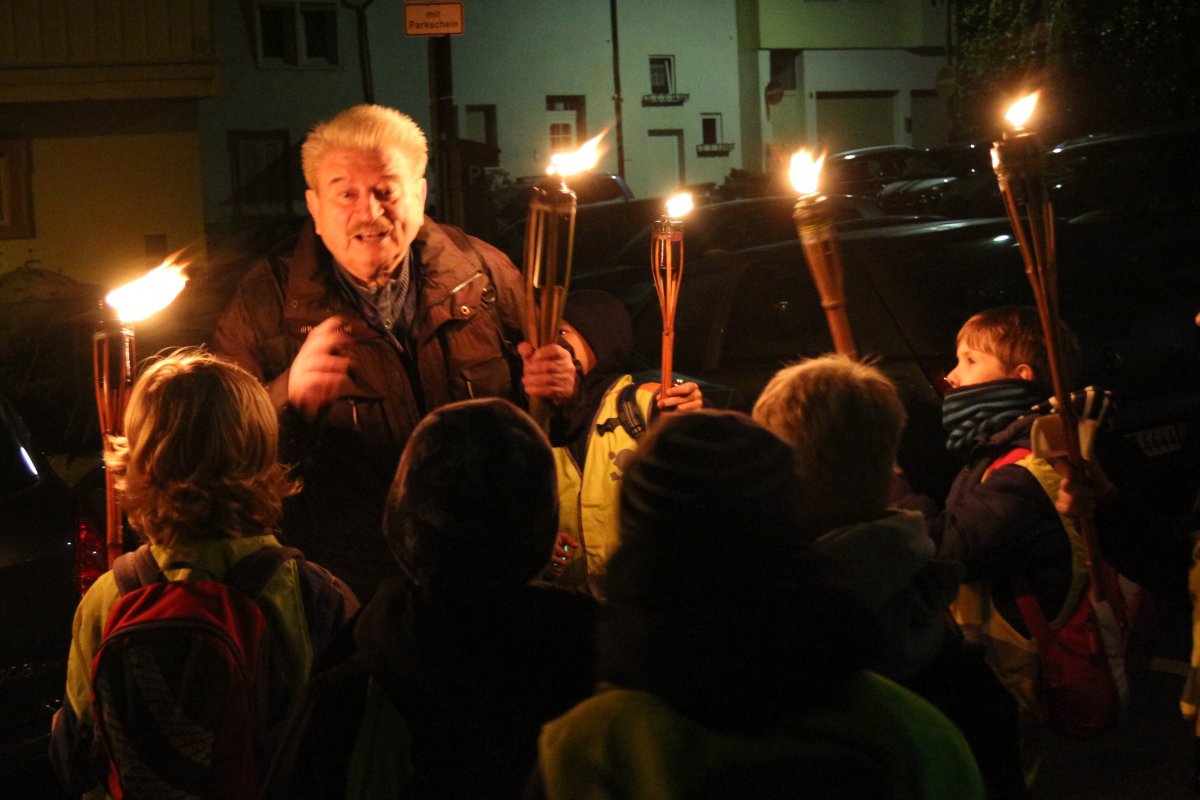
{"points": [[492, 377]]}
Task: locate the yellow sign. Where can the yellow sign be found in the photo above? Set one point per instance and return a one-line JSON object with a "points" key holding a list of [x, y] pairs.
{"points": [[433, 19]]}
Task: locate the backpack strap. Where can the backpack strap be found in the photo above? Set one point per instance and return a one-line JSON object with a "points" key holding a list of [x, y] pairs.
{"points": [[1031, 610], [250, 575], [629, 415], [136, 569], [1011, 457]]}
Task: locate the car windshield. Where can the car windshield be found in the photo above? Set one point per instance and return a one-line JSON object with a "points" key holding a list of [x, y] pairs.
{"points": [[958, 162], [1096, 178]]}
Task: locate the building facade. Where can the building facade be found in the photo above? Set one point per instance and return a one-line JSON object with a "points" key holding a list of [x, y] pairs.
{"points": [[151, 124]]}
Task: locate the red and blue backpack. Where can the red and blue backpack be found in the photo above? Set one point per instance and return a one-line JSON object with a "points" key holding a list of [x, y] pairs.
{"points": [[180, 681]]}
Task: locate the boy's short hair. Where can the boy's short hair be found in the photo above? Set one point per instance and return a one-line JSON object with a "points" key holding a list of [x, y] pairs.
{"points": [[365, 127], [200, 454], [1013, 334], [474, 501], [843, 420]]}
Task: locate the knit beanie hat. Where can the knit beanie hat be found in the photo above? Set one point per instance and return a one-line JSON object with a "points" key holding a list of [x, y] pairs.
{"points": [[474, 502], [714, 600], [722, 481]]}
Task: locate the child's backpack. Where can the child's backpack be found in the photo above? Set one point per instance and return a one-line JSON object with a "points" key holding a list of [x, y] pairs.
{"points": [[180, 680], [1083, 665], [1082, 683]]}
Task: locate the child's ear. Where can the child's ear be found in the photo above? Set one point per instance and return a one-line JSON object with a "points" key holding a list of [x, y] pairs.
{"points": [[1023, 371]]}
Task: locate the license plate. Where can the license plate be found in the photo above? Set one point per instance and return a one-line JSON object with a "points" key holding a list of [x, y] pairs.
{"points": [[1161, 440]]}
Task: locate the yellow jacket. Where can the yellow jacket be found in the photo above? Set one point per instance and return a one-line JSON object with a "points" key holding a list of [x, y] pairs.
{"points": [[588, 497]]}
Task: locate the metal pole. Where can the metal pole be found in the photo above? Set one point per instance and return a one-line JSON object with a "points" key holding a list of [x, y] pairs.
{"points": [[617, 99]]}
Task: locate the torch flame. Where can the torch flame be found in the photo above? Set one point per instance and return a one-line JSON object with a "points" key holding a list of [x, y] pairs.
{"points": [[579, 160], [806, 172], [679, 205], [152, 292], [1020, 112]]}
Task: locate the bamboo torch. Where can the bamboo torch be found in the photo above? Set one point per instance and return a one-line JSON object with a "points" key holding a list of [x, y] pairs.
{"points": [[1020, 168], [814, 226], [114, 357], [666, 266], [549, 243]]}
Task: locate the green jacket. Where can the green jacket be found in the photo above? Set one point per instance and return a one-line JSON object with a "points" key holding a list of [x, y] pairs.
{"points": [[876, 739]]}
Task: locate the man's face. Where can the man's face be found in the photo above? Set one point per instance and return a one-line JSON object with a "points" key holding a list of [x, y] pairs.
{"points": [[367, 207]]}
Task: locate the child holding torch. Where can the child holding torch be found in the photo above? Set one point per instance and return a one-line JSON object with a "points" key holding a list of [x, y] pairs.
{"points": [[596, 327]]}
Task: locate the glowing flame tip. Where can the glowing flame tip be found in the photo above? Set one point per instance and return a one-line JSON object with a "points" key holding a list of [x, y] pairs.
{"points": [[680, 205], [148, 294], [806, 171], [1019, 112], [586, 157]]}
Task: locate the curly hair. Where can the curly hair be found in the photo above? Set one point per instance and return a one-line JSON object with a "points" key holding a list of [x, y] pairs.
{"points": [[199, 458], [365, 127]]}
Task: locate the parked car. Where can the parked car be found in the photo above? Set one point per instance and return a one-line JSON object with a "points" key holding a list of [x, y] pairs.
{"points": [[951, 181], [49, 554], [601, 229], [741, 315], [865, 170], [752, 222], [512, 203], [1146, 176]]}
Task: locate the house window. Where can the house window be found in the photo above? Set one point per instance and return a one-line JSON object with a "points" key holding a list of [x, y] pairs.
{"points": [[662, 83], [562, 136], [566, 120], [712, 137], [662, 74], [261, 163], [783, 68], [296, 34], [481, 125]]}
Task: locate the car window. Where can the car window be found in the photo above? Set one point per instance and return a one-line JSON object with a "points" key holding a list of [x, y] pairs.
{"points": [[17, 470], [1095, 178], [751, 227], [775, 317], [701, 299]]}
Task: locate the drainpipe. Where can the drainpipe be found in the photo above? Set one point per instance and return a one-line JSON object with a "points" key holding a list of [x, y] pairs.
{"points": [[364, 47], [612, 7]]}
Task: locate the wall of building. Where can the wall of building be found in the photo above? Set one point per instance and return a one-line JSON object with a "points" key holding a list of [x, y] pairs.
{"points": [[105, 176], [702, 37], [515, 53], [839, 24], [256, 98], [544, 51]]}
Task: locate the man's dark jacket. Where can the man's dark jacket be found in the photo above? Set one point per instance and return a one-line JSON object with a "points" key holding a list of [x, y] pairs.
{"points": [[470, 301]]}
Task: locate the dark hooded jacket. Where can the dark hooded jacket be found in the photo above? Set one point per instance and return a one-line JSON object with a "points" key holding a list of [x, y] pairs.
{"points": [[459, 661]]}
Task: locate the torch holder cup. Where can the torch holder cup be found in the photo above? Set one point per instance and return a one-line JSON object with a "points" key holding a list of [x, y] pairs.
{"points": [[549, 243], [114, 354], [666, 267], [814, 227], [1020, 168]]}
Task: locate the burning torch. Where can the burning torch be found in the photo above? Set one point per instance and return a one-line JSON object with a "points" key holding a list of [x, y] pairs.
{"points": [[549, 243], [114, 357], [814, 226], [666, 266], [1020, 167]]}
